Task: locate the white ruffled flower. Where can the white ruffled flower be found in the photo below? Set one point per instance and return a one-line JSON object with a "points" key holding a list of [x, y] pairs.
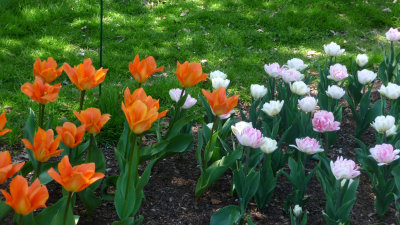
{"points": [[383, 123], [299, 88], [290, 75], [219, 82], [219, 74], [308, 104], [335, 92], [297, 210], [272, 108], [365, 76], [362, 60], [333, 49], [391, 91], [268, 145], [258, 91], [240, 126], [296, 64]]}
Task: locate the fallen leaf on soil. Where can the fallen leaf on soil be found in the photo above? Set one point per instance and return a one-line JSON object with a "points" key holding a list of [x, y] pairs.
{"points": [[215, 201], [185, 12]]}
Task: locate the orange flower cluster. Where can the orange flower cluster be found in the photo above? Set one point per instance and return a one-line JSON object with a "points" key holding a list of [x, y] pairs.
{"points": [[70, 135], [41, 92], [218, 101], [85, 76], [44, 145], [142, 70], [92, 119], [46, 70], [141, 111], [3, 121], [6, 168], [23, 198], [77, 178]]}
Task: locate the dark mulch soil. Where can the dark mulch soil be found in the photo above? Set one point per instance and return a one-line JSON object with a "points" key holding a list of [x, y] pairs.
{"points": [[170, 192]]}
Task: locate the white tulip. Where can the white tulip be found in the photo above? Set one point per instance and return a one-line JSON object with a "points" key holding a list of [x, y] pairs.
{"points": [[274, 70], [210, 125], [175, 95], [299, 88], [240, 126], [391, 131], [365, 76], [219, 74], [335, 92], [258, 91], [391, 91], [272, 108], [290, 75], [308, 104], [296, 64], [362, 60], [333, 49], [383, 123], [268, 145], [297, 210], [219, 82]]}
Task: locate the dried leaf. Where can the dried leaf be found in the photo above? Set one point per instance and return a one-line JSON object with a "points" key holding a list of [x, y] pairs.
{"points": [[185, 12]]}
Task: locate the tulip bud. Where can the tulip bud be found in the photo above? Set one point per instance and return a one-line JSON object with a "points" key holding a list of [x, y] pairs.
{"points": [[344, 182], [210, 125], [272, 108], [366, 76], [258, 91], [391, 91], [383, 123], [307, 104], [362, 60], [333, 49], [335, 92], [220, 82], [296, 64], [297, 210], [299, 88], [268, 145]]}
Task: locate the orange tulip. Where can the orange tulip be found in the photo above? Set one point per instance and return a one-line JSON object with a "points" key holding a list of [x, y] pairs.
{"points": [[46, 70], [70, 135], [3, 121], [139, 94], [24, 199], [189, 74], [140, 110], [92, 119], [77, 178], [41, 92], [6, 168], [219, 103], [142, 70], [44, 145], [85, 76]]}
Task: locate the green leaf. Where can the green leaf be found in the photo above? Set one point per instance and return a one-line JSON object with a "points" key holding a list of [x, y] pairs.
{"points": [[109, 181], [29, 133], [178, 125], [60, 218], [4, 210], [89, 200], [45, 217], [226, 216]]}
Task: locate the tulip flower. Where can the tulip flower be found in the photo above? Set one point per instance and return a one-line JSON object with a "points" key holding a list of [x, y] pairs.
{"points": [[3, 121], [333, 49], [85, 77], [393, 35], [142, 70], [337, 72], [324, 121], [46, 70], [335, 92], [296, 64], [291, 75], [268, 145], [6, 168], [92, 119], [362, 60], [139, 94], [273, 70], [189, 74], [299, 88], [219, 82], [240, 126], [344, 169], [41, 92], [23, 198], [273, 108], [176, 94], [250, 137], [258, 91], [384, 154], [44, 145], [70, 135], [308, 145], [383, 123], [297, 210], [77, 178], [366, 76], [219, 103], [218, 74], [308, 104], [391, 91]]}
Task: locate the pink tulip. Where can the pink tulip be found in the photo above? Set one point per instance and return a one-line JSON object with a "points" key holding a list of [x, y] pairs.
{"points": [[384, 154], [344, 169], [274, 70], [308, 145], [324, 121], [250, 137], [337, 72]]}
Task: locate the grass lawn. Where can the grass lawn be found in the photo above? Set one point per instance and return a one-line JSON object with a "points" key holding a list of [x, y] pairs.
{"points": [[235, 36]]}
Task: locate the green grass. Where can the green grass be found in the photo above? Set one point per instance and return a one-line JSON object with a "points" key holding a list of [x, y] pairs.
{"points": [[226, 33]]}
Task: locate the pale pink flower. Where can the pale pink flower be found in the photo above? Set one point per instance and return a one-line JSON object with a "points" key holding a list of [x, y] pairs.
{"points": [[337, 72], [393, 35], [291, 75], [324, 121], [274, 70], [384, 154], [344, 169], [175, 95], [308, 145], [250, 137]]}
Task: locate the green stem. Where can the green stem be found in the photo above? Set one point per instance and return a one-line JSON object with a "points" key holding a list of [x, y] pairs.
{"points": [[140, 85], [71, 156], [41, 115], [339, 196], [90, 152], [39, 168], [67, 206], [82, 98], [20, 219], [326, 141], [130, 164], [247, 152], [207, 150]]}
